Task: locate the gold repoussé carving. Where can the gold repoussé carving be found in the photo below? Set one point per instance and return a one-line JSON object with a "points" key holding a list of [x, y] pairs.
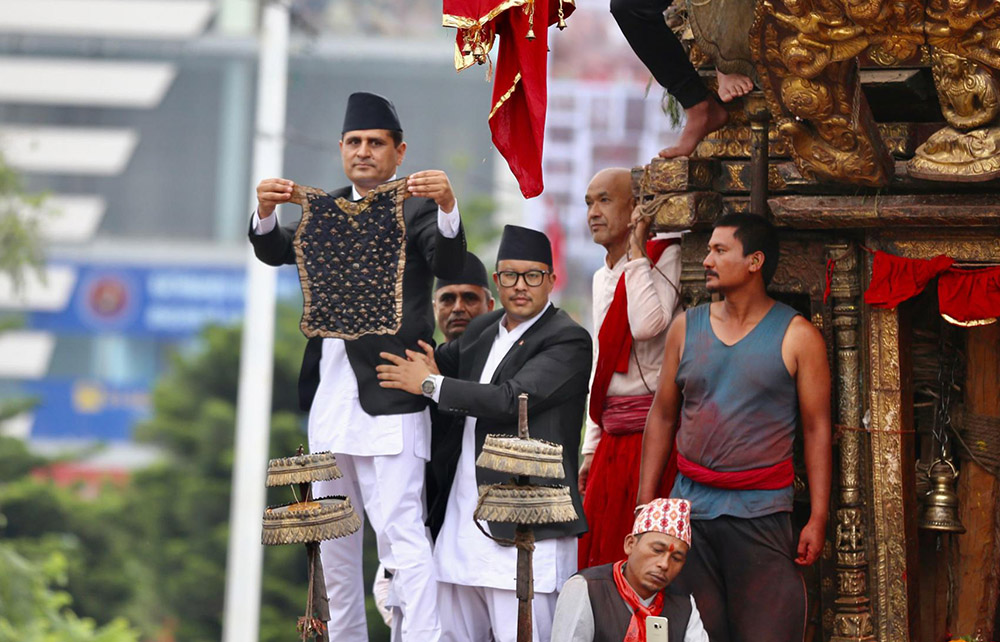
{"points": [[970, 98], [886, 437]]}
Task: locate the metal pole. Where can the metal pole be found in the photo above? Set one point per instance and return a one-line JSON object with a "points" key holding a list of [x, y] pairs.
{"points": [[241, 621]]}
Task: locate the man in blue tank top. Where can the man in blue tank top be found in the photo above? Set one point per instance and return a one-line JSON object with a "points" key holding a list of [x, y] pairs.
{"points": [[738, 376]]}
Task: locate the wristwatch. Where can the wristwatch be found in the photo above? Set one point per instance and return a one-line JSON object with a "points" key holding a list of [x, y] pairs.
{"points": [[428, 386]]}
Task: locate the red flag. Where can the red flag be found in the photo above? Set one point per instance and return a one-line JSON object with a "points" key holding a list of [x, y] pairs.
{"points": [[517, 114]]}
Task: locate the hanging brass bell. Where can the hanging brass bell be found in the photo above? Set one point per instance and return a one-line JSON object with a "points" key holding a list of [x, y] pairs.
{"points": [[940, 510]]}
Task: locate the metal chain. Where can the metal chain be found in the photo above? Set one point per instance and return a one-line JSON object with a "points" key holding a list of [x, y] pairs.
{"points": [[946, 387]]}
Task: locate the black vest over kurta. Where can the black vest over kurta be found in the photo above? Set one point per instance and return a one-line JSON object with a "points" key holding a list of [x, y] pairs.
{"points": [[612, 615]]}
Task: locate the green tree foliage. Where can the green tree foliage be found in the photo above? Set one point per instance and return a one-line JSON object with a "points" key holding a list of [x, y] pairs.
{"points": [[34, 609], [154, 552], [179, 509]]}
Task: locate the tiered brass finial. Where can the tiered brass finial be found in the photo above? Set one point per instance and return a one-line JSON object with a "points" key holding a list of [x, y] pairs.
{"points": [[522, 503], [309, 521]]}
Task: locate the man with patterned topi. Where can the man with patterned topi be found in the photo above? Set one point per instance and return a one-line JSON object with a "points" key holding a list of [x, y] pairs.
{"points": [[381, 437], [635, 296], [610, 602], [740, 375], [529, 346]]}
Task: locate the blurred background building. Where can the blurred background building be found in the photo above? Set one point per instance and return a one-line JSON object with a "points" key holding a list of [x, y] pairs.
{"points": [[135, 118]]}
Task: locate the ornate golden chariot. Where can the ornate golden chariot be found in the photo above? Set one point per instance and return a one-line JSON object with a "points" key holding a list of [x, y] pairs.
{"points": [[876, 127]]}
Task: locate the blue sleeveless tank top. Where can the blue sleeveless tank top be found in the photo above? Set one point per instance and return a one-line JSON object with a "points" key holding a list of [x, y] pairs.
{"points": [[740, 411]]}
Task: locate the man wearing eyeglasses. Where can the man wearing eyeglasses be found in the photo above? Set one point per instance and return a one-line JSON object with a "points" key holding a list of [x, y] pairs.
{"points": [[530, 346]]}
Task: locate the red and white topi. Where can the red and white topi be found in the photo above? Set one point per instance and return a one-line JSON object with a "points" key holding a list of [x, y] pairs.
{"points": [[667, 516]]}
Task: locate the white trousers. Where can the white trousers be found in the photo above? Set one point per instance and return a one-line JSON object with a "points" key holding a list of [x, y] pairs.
{"points": [[479, 614], [390, 488]]}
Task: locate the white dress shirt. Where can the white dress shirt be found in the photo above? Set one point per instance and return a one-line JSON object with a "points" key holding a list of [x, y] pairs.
{"points": [[653, 299], [337, 422], [463, 555]]}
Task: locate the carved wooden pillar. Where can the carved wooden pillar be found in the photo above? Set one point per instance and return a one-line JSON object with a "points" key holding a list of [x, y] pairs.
{"points": [[853, 616]]}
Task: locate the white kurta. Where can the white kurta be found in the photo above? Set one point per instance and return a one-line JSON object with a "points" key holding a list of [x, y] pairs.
{"points": [[653, 298]]}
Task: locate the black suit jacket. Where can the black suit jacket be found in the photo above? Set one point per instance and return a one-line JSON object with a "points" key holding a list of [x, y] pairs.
{"points": [[551, 362], [428, 254]]}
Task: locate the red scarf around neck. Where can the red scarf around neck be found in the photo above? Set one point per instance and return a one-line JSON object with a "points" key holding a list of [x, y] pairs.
{"points": [[614, 340], [637, 625]]}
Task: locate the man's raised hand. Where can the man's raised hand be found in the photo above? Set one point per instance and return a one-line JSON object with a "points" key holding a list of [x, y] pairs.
{"points": [[433, 184], [272, 192]]}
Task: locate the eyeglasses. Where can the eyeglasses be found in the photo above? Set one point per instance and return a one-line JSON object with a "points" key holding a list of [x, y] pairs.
{"points": [[532, 278]]}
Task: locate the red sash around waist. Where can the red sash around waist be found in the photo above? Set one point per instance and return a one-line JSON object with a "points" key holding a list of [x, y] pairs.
{"points": [[776, 477], [625, 415]]}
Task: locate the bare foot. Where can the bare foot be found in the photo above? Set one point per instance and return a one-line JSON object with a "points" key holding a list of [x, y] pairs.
{"points": [[699, 121], [733, 85]]}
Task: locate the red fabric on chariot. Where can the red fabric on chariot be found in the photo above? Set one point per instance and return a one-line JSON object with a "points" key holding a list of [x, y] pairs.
{"points": [[896, 278], [970, 294]]}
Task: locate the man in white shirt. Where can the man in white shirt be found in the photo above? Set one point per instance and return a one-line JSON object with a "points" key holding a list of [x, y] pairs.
{"points": [[529, 346], [611, 602], [381, 437], [635, 297]]}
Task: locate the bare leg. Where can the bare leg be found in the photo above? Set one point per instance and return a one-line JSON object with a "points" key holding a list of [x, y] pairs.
{"points": [[733, 85], [699, 121]]}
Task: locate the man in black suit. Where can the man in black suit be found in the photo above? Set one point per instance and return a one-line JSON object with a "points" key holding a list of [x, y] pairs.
{"points": [[381, 437], [530, 346]]}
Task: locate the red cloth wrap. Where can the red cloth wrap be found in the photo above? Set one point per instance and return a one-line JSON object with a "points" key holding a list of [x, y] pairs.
{"points": [[896, 278], [517, 114], [614, 340], [970, 295], [776, 477], [624, 415], [637, 625], [613, 482]]}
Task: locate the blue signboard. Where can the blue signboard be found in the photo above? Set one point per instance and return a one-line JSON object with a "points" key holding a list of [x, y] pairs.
{"points": [[159, 305], [166, 301], [86, 409]]}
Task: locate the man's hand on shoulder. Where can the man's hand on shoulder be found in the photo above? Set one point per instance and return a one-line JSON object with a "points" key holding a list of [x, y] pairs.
{"points": [[272, 192], [403, 374], [427, 356], [433, 184]]}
